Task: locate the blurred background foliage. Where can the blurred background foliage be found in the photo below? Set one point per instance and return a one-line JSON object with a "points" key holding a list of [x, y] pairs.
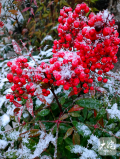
{"points": [[40, 19]]}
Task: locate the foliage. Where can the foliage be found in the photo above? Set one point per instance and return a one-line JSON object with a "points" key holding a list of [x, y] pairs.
{"points": [[34, 22], [57, 122]]}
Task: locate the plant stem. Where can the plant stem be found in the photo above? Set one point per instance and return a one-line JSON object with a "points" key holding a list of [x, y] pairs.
{"points": [[60, 107]]}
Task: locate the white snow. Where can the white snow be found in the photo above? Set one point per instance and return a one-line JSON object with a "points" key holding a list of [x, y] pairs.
{"points": [[86, 153], [114, 113], [94, 141], [2, 100], [5, 119], [48, 37], [3, 144], [44, 141]]}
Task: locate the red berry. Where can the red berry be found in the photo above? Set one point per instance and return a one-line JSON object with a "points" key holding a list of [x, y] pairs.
{"points": [[99, 79], [105, 80]]}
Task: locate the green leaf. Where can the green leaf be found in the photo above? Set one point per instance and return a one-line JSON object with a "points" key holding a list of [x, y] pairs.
{"points": [[75, 114], [84, 113], [89, 103], [64, 117], [72, 147], [101, 113], [62, 100], [44, 112], [90, 113], [64, 127], [68, 141], [68, 133], [54, 106], [82, 129]]}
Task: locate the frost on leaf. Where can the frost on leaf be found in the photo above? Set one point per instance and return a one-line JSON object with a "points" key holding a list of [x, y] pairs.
{"points": [[3, 144], [5, 119], [20, 113], [94, 141], [114, 113], [43, 143], [82, 128], [85, 153], [16, 47], [29, 105]]}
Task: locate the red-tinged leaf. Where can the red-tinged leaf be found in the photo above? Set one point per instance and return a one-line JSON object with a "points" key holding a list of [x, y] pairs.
{"points": [[42, 99], [72, 92], [29, 20], [20, 113], [76, 138], [17, 104], [75, 108], [35, 3], [68, 133], [92, 92], [95, 113], [32, 11], [16, 111], [64, 117], [101, 122], [16, 47], [29, 105], [27, 8]]}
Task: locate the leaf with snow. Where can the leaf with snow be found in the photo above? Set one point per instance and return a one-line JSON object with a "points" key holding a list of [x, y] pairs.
{"points": [[85, 153], [43, 143], [5, 119], [82, 129], [2, 100], [3, 144], [29, 105], [48, 37], [32, 11], [114, 113], [17, 104], [20, 113], [16, 47]]}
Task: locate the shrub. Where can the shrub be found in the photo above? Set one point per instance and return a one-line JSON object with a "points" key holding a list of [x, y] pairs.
{"points": [[65, 104]]}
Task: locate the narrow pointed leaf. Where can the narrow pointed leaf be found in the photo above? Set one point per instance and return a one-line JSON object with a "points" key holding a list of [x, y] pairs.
{"points": [[27, 8], [29, 105], [68, 133], [35, 3], [20, 113], [76, 139], [64, 117], [16, 47], [13, 11], [75, 114], [75, 108], [17, 104]]}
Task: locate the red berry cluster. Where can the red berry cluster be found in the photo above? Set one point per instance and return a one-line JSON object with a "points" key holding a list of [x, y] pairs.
{"points": [[85, 51], [1, 24], [93, 43]]}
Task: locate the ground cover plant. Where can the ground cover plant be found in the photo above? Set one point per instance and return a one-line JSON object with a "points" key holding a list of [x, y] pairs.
{"points": [[60, 106]]}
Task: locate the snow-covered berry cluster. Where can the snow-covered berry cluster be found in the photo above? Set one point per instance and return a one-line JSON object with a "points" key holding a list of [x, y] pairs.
{"points": [[85, 51]]}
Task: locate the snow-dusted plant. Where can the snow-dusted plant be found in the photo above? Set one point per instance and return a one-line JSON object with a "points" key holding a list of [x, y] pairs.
{"points": [[61, 105]]}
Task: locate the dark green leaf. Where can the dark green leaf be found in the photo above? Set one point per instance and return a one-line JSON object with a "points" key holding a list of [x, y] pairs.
{"points": [[44, 112], [89, 103], [82, 129]]}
